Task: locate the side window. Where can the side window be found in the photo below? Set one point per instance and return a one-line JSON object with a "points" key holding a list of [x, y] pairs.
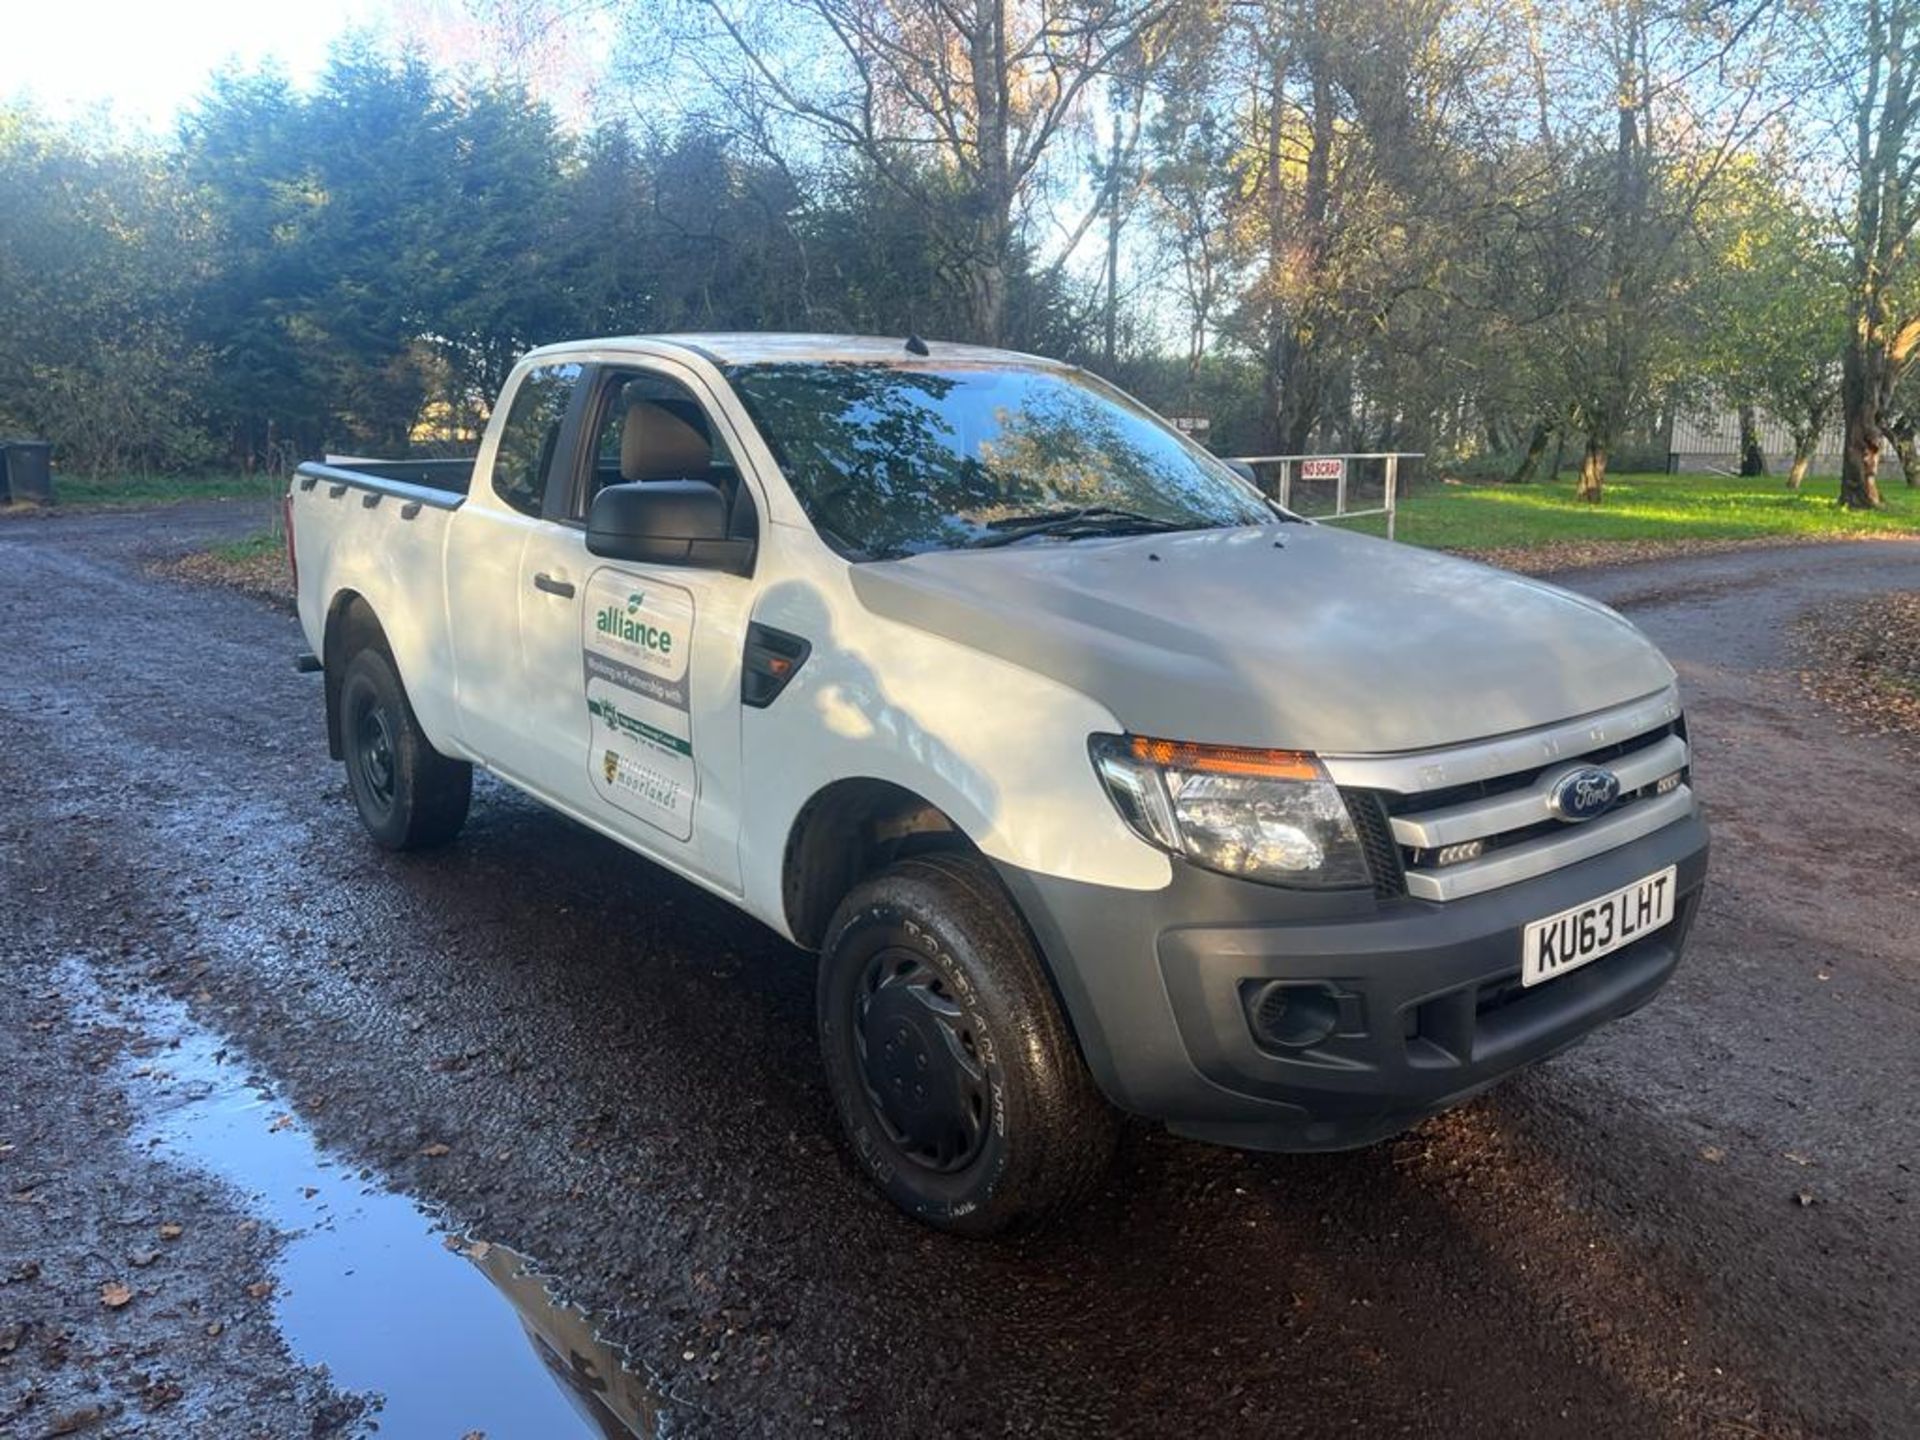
{"points": [[531, 435], [652, 428]]}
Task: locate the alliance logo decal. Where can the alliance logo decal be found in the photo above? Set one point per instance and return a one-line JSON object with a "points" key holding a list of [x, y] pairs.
{"points": [[1584, 794], [632, 626]]}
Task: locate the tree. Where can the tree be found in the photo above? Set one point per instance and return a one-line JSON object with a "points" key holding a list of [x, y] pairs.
{"points": [[1875, 53], [243, 160], [1654, 100], [956, 104], [98, 261], [1773, 309], [1190, 184]]}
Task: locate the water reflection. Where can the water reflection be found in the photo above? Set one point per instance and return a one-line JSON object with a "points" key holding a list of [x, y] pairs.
{"points": [[365, 1283], [593, 1374]]}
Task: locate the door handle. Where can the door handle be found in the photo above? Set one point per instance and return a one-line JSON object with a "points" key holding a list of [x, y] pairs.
{"points": [[546, 582]]}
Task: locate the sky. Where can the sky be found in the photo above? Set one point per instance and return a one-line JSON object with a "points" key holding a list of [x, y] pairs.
{"points": [[137, 63]]}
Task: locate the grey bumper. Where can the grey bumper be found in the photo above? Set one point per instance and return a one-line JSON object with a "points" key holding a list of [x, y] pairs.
{"points": [[1426, 997]]}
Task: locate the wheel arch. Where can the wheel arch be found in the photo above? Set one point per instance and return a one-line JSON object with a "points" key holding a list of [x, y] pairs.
{"points": [[846, 831], [351, 625]]}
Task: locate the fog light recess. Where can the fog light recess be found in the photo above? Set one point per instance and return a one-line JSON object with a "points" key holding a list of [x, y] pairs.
{"points": [[1288, 1015]]}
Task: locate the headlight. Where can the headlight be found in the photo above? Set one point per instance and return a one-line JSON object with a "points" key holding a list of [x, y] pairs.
{"points": [[1270, 815]]}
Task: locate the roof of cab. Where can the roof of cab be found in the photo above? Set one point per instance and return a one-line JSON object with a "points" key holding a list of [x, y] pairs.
{"points": [[750, 348]]}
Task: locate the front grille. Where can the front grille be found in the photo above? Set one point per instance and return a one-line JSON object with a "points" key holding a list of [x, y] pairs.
{"points": [[1494, 796], [1427, 800]]}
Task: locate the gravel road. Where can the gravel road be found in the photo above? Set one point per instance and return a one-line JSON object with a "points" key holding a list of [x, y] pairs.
{"points": [[1701, 1222]]}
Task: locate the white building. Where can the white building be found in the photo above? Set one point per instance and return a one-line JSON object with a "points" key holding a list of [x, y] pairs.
{"points": [[1710, 440]]}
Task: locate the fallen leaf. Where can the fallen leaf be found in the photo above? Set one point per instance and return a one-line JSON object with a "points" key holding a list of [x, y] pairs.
{"points": [[140, 1259], [436, 1150], [76, 1420], [1796, 1159], [113, 1294], [260, 1289], [1804, 1198], [170, 1231], [215, 1328], [280, 1122], [1712, 1154]]}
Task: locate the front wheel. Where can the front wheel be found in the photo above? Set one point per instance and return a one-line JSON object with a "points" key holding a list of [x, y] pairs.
{"points": [[961, 1090], [408, 794]]}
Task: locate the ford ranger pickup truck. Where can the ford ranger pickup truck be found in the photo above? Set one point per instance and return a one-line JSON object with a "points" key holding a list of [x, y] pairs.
{"points": [[1098, 782]]}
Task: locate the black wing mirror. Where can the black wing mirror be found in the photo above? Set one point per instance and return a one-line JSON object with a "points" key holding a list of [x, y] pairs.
{"points": [[667, 522]]}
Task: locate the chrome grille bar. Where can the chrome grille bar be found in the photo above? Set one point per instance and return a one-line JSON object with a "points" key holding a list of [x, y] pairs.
{"points": [[1517, 809], [1536, 857]]}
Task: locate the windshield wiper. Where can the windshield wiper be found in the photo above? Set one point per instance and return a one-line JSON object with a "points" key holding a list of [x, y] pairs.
{"points": [[1079, 520]]}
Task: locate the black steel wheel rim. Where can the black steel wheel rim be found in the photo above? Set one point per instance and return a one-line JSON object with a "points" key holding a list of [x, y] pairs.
{"points": [[373, 746], [920, 1061]]}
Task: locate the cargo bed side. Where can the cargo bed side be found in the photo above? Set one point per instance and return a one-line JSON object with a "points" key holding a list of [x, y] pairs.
{"points": [[375, 534]]}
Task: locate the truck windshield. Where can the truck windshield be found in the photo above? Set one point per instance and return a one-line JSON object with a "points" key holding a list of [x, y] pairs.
{"points": [[892, 460]]}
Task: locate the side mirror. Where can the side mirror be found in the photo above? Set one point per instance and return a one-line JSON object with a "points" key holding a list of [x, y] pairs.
{"points": [[667, 522], [1246, 472]]}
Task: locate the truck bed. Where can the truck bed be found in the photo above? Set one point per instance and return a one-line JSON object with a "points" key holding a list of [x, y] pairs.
{"points": [[379, 529]]}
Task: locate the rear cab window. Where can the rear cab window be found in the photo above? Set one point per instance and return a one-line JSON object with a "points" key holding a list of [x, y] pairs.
{"points": [[531, 436]]}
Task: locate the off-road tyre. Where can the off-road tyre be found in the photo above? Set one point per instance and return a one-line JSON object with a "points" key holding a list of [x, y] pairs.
{"points": [[984, 1034], [409, 795]]}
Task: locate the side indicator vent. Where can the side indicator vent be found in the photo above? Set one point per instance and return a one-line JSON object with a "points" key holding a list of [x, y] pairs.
{"points": [[773, 658]]}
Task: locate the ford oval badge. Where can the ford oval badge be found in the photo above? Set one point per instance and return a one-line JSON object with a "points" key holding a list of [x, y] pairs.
{"points": [[1584, 794]]}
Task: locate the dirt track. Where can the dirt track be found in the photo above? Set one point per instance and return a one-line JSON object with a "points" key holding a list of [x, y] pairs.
{"points": [[1703, 1221]]}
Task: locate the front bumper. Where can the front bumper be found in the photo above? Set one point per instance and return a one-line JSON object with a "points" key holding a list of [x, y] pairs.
{"points": [[1426, 994]]}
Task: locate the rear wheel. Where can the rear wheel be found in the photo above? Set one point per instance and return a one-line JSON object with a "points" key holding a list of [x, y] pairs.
{"points": [[962, 1092], [408, 794]]}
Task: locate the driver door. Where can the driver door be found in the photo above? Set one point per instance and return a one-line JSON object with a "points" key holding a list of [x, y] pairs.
{"points": [[633, 671]]}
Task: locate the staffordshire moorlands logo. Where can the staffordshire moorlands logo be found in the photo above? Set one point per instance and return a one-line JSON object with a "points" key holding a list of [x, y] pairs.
{"points": [[610, 763]]}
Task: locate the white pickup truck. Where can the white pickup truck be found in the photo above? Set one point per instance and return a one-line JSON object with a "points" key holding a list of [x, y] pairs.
{"points": [[1098, 782]]}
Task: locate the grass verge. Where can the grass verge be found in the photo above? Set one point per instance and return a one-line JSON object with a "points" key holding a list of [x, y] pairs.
{"points": [[78, 491], [255, 566], [1542, 527]]}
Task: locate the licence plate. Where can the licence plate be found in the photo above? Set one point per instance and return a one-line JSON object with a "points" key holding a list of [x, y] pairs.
{"points": [[1598, 927]]}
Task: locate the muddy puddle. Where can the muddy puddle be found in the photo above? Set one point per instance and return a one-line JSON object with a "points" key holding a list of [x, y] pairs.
{"points": [[448, 1334]]}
